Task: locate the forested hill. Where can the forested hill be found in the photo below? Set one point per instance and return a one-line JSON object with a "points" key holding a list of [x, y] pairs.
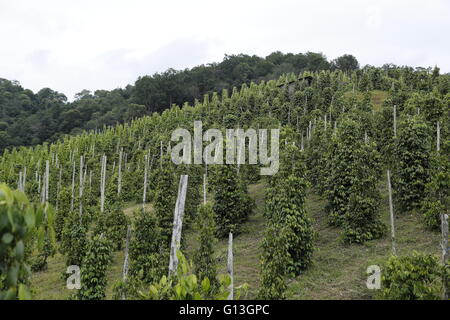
{"points": [[351, 126], [28, 118]]}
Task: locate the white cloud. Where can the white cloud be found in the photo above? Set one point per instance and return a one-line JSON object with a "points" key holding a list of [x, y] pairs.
{"points": [[75, 45]]}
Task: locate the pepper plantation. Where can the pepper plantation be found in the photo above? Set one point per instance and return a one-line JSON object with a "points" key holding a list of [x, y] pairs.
{"points": [[363, 180]]}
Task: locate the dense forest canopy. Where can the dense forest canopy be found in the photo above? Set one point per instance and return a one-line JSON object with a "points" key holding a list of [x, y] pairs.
{"points": [[29, 118]]}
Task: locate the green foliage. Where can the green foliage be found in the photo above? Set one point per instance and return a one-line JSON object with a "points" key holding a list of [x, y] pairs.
{"points": [[63, 211], [113, 223], [73, 240], [164, 202], [415, 277], [232, 205], [39, 263], [93, 271], [274, 261], [20, 223], [412, 157], [147, 261], [362, 219], [52, 116], [437, 191], [204, 261], [316, 156], [185, 285], [344, 146], [285, 208], [288, 243]]}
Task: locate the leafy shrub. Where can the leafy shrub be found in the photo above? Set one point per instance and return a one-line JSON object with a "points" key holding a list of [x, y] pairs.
{"points": [[164, 204], [147, 261], [361, 221], [73, 240], [274, 261], [412, 172], [204, 262], [21, 223], [113, 223], [94, 267], [232, 204], [415, 277], [437, 190], [186, 286]]}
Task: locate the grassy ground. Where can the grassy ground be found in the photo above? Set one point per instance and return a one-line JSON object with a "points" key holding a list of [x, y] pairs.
{"points": [[377, 99], [338, 270]]}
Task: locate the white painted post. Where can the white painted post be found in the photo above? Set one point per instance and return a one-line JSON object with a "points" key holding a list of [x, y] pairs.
{"points": [[47, 178], [310, 130], [177, 224], [230, 265], [19, 183], [391, 212]]}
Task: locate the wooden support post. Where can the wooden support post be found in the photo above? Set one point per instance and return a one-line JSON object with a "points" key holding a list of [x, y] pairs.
{"points": [[177, 224], [230, 265], [391, 212]]}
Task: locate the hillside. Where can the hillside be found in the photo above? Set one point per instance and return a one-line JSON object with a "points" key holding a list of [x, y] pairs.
{"points": [[338, 270], [307, 232], [29, 118]]}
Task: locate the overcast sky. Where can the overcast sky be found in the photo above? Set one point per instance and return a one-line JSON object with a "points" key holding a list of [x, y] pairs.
{"points": [[74, 45]]}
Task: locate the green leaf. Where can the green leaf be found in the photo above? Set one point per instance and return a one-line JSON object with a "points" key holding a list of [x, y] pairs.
{"points": [[30, 219], [24, 292], [7, 238], [20, 250], [206, 285], [13, 275]]}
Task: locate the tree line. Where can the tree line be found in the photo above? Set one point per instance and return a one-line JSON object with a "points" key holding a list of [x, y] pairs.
{"points": [[28, 118]]}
